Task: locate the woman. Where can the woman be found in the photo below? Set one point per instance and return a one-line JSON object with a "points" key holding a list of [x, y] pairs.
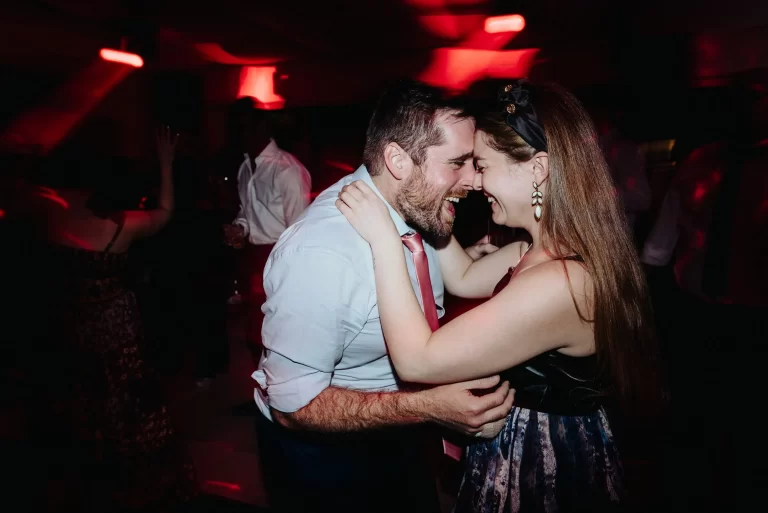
{"points": [[568, 325], [108, 402]]}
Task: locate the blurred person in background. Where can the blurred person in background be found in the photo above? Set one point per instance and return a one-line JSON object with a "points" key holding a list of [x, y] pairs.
{"points": [[273, 190], [711, 238], [627, 166], [102, 413]]}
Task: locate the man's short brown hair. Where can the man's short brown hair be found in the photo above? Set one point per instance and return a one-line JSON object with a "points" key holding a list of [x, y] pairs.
{"points": [[406, 114]]}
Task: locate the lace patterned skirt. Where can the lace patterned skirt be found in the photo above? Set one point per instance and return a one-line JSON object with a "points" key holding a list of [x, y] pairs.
{"points": [[543, 463], [131, 457]]}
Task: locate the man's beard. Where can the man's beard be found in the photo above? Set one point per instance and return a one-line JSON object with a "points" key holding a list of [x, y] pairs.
{"points": [[421, 205]]}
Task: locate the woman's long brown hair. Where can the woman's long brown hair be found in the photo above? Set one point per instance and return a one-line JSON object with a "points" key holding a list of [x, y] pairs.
{"points": [[582, 215]]}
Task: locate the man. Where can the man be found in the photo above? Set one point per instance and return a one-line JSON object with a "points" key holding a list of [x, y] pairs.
{"points": [[273, 186], [337, 431], [274, 189]]}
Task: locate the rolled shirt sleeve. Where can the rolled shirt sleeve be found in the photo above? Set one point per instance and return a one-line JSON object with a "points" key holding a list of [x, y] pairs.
{"points": [[315, 308]]}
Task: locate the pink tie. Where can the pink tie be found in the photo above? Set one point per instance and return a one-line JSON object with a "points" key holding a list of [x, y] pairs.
{"points": [[414, 243]]}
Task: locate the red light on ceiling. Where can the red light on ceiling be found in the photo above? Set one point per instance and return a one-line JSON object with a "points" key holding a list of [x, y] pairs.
{"points": [[131, 59], [451, 26], [458, 68], [508, 23], [258, 82]]}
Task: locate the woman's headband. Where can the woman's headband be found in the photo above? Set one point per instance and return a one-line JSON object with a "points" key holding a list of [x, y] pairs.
{"points": [[515, 103]]}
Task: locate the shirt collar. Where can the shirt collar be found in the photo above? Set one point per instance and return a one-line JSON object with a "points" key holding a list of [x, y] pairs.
{"points": [[269, 150], [400, 224]]}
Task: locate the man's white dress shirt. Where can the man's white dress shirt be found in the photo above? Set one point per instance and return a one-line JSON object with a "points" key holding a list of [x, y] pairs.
{"points": [[321, 325], [273, 195]]}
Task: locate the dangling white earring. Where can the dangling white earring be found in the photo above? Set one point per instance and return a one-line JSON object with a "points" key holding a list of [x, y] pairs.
{"points": [[536, 199]]}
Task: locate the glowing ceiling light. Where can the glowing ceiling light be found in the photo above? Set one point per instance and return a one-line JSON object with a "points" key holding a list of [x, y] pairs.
{"points": [[258, 82], [131, 59], [508, 23], [458, 68]]}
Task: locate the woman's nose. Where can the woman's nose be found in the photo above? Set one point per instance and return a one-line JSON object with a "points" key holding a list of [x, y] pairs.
{"points": [[477, 181]]}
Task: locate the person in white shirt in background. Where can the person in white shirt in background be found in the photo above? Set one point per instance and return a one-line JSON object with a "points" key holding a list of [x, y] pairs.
{"points": [[274, 189]]}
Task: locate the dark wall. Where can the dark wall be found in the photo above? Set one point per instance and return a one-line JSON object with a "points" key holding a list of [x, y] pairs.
{"points": [[177, 98]]}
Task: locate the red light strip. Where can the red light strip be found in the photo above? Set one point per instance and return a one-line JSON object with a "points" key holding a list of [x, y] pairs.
{"points": [[508, 23], [131, 59]]}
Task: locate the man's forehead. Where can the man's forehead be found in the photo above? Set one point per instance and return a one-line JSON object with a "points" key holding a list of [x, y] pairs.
{"points": [[458, 137]]}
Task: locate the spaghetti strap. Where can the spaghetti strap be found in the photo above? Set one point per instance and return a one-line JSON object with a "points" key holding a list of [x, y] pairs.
{"points": [[116, 235]]}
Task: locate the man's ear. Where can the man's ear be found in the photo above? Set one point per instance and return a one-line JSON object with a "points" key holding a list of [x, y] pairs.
{"points": [[398, 161]]}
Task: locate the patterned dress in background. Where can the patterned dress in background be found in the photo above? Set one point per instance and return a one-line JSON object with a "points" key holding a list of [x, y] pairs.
{"points": [[129, 458]]}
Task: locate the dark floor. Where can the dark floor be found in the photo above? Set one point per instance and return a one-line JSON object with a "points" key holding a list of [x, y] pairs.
{"points": [[220, 442]]}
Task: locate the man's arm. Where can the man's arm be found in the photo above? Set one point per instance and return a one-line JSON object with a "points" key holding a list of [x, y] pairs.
{"points": [[315, 307], [340, 410], [308, 321]]}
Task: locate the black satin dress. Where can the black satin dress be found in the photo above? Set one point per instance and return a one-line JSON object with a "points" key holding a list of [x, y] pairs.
{"points": [[556, 451]]}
